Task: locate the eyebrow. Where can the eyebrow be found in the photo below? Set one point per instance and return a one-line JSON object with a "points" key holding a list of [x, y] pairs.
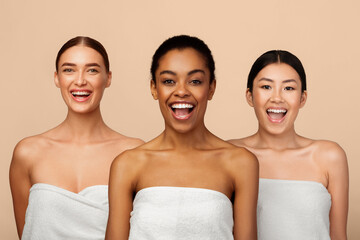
{"points": [[87, 65], [270, 80], [189, 73]]}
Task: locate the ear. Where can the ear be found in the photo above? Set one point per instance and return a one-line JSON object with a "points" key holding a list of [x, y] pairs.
{"points": [[153, 89], [56, 79], [109, 78], [212, 88], [303, 98], [249, 97]]}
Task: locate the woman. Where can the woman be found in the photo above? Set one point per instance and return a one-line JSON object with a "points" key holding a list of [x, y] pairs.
{"points": [[59, 178], [187, 183], [303, 188]]}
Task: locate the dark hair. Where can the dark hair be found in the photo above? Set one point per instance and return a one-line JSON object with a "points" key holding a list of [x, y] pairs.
{"points": [[88, 42], [277, 56], [181, 42]]}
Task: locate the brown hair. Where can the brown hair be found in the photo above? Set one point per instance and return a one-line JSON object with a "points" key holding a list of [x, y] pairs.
{"points": [[88, 42]]}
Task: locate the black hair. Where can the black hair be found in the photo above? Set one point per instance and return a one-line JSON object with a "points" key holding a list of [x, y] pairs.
{"points": [[276, 56], [88, 42], [181, 42]]}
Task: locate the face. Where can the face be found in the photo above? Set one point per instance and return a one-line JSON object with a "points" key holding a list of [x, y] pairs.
{"points": [[183, 89], [82, 78], [276, 97]]}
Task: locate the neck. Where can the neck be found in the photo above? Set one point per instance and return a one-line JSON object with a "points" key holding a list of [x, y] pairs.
{"points": [[194, 139], [282, 141], [84, 127]]}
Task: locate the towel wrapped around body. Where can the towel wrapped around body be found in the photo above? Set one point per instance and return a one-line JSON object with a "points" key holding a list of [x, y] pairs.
{"points": [[181, 213], [55, 213], [293, 210]]}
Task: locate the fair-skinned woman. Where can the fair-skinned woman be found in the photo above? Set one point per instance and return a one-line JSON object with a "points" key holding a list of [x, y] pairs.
{"points": [[59, 178], [303, 188], [187, 183]]}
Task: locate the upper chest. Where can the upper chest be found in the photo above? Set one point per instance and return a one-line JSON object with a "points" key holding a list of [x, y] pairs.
{"points": [[187, 170], [295, 164], [75, 163]]}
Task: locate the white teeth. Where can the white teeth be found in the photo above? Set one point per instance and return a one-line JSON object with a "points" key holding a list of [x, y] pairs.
{"points": [[80, 93], [182, 105], [277, 110]]}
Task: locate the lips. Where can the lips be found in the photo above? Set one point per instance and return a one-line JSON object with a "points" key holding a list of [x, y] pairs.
{"points": [[181, 111], [276, 115], [80, 95]]}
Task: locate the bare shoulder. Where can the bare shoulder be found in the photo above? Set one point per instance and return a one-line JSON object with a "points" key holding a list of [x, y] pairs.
{"points": [[28, 148], [243, 142], [240, 142], [240, 157], [131, 160], [331, 157], [329, 151], [127, 142], [25, 156], [241, 165]]}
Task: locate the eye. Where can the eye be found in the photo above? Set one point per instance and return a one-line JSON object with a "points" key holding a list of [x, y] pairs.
{"points": [[267, 87], [289, 88], [68, 70], [93, 70], [195, 82], [168, 82]]}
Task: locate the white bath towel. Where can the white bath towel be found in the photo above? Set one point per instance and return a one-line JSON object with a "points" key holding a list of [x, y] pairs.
{"points": [[293, 210], [55, 213], [181, 213]]}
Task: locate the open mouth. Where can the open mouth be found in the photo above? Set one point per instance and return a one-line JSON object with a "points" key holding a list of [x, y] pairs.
{"points": [[80, 95], [276, 115], [182, 110]]}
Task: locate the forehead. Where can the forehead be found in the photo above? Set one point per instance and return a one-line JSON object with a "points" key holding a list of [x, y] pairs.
{"points": [[182, 60], [81, 54], [278, 72]]}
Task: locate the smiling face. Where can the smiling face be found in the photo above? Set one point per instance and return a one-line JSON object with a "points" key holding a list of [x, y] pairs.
{"points": [[182, 88], [276, 97], [82, 78]]}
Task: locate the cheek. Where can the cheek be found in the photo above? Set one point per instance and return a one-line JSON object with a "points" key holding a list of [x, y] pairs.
{"points": [[259, 99], [99, 82], [201, 94], [294, 100]]}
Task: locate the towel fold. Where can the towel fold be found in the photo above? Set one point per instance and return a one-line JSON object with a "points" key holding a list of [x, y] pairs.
{"points": [[55, 213]]}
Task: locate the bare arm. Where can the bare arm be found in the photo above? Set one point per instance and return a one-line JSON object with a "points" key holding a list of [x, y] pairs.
{"points": [[246, 175], [338, 187], [121, 189], [20, 184]]}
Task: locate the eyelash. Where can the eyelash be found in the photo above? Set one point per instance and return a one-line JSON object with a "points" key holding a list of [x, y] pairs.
{"points": [[196, 82], [168, 81], [93, 70], [267, 87], [68, 70], [289, 88]]}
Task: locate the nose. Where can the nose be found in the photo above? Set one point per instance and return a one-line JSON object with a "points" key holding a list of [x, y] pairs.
{"points": [[80, 79], [276, 96], [181, 90]]}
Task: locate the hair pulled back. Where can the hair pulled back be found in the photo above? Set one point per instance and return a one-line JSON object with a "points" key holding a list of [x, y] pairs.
{"points": [[276, 56], [181, 42], [87, 42]]}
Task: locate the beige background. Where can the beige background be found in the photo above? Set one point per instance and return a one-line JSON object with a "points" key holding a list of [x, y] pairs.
{"points": [[324, 34]]}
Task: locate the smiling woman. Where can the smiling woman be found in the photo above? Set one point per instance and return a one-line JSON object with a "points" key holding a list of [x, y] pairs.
{"points": [[303, 188], [186, 183], [59, 178]]}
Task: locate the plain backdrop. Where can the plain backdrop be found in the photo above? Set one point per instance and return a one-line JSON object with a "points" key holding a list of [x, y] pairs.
{"points": [[324, 34]]}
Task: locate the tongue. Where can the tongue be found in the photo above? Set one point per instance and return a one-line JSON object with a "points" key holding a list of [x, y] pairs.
{"points": [[276, 116], [181, 111]]}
